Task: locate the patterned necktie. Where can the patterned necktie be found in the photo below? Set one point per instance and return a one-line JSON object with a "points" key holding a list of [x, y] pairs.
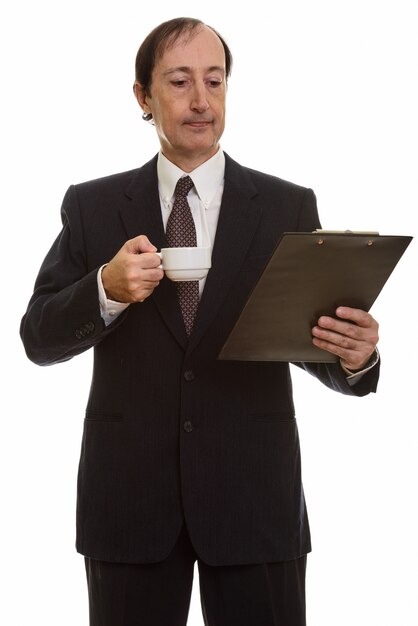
{"points": [[181, 232]]}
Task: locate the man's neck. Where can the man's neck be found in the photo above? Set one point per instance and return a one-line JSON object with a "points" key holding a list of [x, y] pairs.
{"points": [[188, 163]]}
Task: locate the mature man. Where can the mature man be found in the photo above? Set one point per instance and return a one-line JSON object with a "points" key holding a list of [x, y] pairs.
{"points": [[185, 456]]}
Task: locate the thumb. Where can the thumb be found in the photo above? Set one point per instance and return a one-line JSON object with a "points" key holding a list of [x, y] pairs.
{"points": [[140, 244]]}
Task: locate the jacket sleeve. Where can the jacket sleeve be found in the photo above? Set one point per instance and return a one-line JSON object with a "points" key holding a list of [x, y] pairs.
{"points": [[331, 374], [63, 316]]}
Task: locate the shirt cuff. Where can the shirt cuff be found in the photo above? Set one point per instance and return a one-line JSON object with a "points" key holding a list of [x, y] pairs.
{"points": [[354, 377], [109, 309]]}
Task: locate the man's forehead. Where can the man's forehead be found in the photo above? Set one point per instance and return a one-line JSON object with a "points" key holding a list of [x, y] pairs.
{"points": [[188, 69], [191, 49]]}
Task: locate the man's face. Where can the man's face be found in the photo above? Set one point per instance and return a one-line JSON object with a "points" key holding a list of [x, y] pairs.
{"points": [[187, 100]]}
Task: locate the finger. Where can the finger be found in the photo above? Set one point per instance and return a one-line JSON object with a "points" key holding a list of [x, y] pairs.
{"points": [[351, 359], [343, 328], [353, 352], [342, 353], [358, 316], [140, 244], [150, 277], [368, 328], [337, 339], [148, 260]]}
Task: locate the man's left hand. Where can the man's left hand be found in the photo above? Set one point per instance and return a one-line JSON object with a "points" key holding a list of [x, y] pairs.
{"points": [[352, 337]]}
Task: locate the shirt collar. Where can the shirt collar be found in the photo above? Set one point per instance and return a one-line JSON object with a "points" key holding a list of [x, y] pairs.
{"points": [[206, 178]]}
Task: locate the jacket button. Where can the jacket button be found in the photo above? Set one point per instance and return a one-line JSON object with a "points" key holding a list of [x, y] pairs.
{"points": [[188, 427], [79, 333], [189, 376]]}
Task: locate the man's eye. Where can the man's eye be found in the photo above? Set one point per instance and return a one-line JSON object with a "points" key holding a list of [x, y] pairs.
{"points": [[215, 83], [178, 83]]}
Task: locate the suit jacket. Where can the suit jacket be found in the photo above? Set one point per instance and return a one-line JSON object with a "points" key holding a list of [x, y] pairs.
{"points": [[171, 434]]}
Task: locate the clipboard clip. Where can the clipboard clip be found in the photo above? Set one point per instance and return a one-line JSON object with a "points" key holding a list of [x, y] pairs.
{"points": [[366, 233], [370, 233]]}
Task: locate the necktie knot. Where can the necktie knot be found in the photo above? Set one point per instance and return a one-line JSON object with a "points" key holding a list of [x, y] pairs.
{"points": [[184, 184]]}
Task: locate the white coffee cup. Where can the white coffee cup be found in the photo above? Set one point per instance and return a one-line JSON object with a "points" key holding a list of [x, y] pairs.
{"points": [[185, 263], [181, 264]]}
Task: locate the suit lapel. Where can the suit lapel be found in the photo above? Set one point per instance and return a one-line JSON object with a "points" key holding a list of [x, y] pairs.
{"points": [[238, 220], [142, 215]]}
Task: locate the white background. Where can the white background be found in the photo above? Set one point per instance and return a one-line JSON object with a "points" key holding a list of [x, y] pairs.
{"points": [[322, 93]]}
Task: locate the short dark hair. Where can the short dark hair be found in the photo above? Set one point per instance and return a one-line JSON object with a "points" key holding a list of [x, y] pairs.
{"points": [[161, 38]]}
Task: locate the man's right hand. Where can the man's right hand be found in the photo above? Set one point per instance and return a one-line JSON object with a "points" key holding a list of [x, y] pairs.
{"points": [[134, 273]]}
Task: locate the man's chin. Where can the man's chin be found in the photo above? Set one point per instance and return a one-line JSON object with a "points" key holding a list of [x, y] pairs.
{"points": [[192, 151], [204, 150]]}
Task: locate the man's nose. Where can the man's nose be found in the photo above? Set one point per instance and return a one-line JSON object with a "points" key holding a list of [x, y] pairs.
{"points": [[199, 98]]}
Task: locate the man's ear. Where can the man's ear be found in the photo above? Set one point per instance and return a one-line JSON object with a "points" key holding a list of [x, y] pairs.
{"points": [[141, 97]]}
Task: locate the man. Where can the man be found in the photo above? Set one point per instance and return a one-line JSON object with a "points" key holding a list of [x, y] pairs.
{"points": [[184, 456]]}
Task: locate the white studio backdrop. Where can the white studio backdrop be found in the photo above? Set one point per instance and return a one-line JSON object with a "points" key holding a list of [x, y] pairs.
{"points": [[323, 94]]}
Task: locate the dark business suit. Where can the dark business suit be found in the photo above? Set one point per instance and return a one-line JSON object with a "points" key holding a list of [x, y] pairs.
{"points": [[170, 432]]}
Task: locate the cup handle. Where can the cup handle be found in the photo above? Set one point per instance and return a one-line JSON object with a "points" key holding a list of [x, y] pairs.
{"points": [[160, 255]]}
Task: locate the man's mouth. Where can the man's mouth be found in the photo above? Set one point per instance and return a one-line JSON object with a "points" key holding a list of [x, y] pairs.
{"points": [[198, 123]]}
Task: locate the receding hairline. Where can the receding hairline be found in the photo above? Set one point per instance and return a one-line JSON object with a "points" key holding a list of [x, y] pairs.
{"points": [[185, 35]]}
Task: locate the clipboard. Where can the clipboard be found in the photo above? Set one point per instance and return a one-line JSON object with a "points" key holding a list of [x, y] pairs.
{"points": [[309, 275]]}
